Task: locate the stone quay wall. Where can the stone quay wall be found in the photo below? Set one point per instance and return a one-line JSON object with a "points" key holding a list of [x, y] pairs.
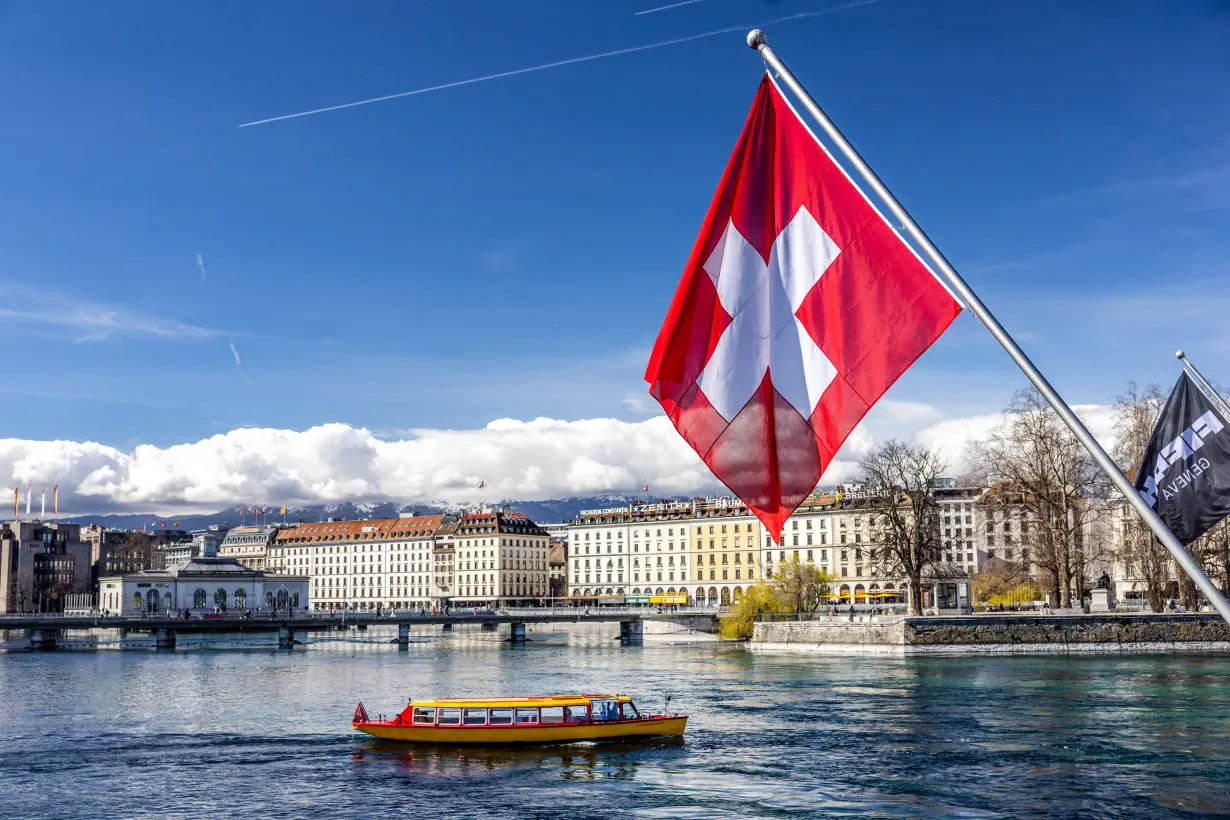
{"points": [[997, 634]]}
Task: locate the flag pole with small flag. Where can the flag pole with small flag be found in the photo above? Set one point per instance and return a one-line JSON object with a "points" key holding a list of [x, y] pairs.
{"points": [[55, 502], [801, 305], [1185, 472]]}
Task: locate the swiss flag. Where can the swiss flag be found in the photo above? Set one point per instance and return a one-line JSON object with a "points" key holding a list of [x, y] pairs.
{"points": [[799, 306]]}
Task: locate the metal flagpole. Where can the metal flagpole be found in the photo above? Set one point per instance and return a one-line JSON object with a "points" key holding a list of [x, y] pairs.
{"points": [[1213, 395], [756, 40]]}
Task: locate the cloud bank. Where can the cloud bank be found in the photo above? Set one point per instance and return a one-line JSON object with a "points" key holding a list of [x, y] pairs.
{"points": [[525, 460]]}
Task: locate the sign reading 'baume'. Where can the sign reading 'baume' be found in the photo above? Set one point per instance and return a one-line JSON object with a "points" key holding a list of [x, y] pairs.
{"points": [[1185, 474]]}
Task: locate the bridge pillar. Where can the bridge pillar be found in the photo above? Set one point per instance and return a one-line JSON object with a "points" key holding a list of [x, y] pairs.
{"points": [[164, 639], [286, 637], [631, 632], [44, 638], [489, 626], [518, 632], [446, 627], [403, 636]]}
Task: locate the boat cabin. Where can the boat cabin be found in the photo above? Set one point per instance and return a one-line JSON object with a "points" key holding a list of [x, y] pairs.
{"points": [[525, 712]]}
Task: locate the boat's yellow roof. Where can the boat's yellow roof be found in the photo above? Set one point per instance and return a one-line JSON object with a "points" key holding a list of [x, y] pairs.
{"points": [[497, 703]]}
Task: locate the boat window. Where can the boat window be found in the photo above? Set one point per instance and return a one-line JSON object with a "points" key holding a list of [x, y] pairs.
{"points": [[552, 714], [474, 717], [527, 716], [501, 717], [578, 714], [424, 714], [630, 712], [448, 717], [605, 709]]}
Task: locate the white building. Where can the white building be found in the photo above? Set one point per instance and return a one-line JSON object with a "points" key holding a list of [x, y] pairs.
{"points": [[501, 559], [385, 563], [202, 585], [959, 513]]}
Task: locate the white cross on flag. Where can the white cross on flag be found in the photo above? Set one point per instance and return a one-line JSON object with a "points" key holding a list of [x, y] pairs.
{"points": [[798, 308]]}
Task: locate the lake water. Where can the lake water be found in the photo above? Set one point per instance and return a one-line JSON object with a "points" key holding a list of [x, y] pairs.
{"points": [[253, 733]]}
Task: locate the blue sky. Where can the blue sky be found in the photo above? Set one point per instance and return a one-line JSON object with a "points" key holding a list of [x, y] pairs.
{"points": [[508, 248]]}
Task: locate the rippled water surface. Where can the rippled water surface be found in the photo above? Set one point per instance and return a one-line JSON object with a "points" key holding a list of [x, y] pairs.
{"points": [[251, 732]]}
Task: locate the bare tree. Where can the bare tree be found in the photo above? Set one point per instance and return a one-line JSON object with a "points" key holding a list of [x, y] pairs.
{"points": [[1136, 413], [1036, 463], [907, 532]]}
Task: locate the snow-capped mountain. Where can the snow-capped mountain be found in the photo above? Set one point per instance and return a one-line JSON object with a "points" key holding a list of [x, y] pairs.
{"points": [[549, 511]]}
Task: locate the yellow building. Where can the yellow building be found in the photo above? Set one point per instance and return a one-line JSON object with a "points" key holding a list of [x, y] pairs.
{"points": [[724, 548]]}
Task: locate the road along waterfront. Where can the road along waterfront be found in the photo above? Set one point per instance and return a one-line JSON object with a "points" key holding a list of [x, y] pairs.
{"points": [[262, 733]]}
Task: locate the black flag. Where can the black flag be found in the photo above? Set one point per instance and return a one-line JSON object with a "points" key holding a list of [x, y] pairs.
{"points": [[1185, 475]]}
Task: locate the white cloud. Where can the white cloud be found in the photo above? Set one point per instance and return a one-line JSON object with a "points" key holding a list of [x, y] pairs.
{"points": [[543, 458]]}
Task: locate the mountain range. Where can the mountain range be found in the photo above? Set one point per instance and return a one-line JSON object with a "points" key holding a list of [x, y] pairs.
{"points": [[549, 511]]}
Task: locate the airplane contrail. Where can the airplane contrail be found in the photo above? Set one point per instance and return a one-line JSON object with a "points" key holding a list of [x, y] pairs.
{"points": [[558, 63], [664, 8]]}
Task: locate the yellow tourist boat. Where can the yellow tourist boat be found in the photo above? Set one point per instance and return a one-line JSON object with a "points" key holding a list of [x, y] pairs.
{"points": [[553, 719]]}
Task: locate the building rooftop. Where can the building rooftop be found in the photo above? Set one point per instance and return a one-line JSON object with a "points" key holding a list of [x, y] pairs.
{"points": [[497, 522], [381, 529]]}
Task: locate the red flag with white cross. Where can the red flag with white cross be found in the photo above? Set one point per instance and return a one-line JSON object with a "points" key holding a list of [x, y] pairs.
{"points": [[799, 307]]}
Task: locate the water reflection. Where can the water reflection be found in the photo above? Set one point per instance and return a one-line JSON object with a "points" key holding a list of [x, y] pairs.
{"points": [[260, 733], [574, 761]]}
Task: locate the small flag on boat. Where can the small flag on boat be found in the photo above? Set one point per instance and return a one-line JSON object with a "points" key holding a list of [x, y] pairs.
{"points": [[360, 714]]}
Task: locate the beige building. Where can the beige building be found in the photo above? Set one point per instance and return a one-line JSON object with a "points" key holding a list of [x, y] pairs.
{"points": [[249, 546], [443, 562], [501, 559], [385, 563]]}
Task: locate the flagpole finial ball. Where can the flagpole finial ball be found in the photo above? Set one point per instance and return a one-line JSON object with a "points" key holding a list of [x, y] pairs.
{"points": [[755, 39], [1178, 354]]}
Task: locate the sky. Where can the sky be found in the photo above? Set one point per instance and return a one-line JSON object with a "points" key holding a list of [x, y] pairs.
{"points": [[406, 298]]}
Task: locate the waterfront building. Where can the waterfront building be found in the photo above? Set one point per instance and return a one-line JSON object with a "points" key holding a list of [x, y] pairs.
{"points": [[41, 563], [501, 559], [249, 545], [557, 566], [662, 550], [115, 551], [957, 524], [725, 545], [600, 553], [710, 550], [172, 546], [443, 563], [202, 585], [381, 563]]}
